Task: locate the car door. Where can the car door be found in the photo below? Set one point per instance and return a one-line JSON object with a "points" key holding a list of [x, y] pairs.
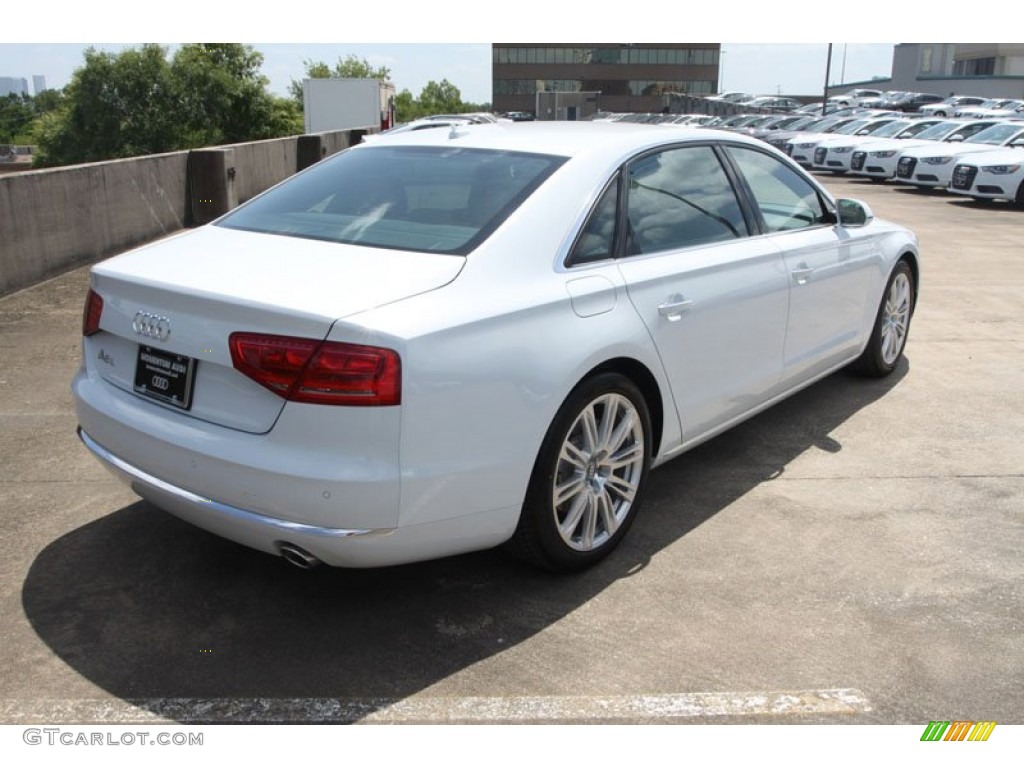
{"points": [[831, 269], [713, 298]]}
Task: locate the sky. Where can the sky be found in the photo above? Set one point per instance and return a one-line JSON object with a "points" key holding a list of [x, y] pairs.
{"points": [[770, 52]]}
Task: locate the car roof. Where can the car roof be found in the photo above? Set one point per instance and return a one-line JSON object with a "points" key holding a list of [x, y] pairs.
{"points": [[566, 139]]}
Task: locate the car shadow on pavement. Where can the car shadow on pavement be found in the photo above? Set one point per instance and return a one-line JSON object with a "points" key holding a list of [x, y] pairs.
{"points": [[150, 608], [986, 205]]}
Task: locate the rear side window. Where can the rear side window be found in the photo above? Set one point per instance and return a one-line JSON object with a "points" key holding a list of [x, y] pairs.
{"points": [[432, 199], [680, 198], [597, 239], [784, 197]]}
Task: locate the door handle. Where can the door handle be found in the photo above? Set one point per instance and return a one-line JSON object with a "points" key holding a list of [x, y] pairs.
{"points": [[674, 306], [802, 274]]}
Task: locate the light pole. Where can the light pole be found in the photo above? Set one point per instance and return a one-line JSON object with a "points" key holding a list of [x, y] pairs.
{"points": [[828, 68], [721, 70]]}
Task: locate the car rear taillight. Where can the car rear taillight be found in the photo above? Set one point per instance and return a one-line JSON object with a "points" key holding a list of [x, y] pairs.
{"points": [[92, 313], [311, 371]]}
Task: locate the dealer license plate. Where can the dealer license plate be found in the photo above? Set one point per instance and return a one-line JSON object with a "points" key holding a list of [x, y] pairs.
{"points": [[165, 377]]}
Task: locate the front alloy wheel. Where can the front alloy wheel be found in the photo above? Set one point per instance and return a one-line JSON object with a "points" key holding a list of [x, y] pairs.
{"points": [[588, 477], [892, 323], [895, 318]]}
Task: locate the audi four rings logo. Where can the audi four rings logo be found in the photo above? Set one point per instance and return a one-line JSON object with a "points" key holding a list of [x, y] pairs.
{"points": [[153, 326]]}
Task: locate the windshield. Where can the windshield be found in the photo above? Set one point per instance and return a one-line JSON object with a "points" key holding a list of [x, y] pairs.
{"points": [[996, 134], [852, 127], [777, 123], [874, 126], [891, 129], [915, 129], [828, 125], [939, 131], [800, 123], [432, 199]]}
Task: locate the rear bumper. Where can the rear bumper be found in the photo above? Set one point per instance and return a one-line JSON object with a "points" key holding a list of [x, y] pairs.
{"points": [[240, 525], [340, 547]]}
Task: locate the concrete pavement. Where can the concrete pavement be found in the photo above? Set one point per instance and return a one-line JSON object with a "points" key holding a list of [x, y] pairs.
{"points": [[850, 556]]}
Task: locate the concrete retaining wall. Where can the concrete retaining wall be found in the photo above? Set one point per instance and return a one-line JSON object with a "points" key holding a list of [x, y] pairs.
{"points": [[54, 220], [261, 164], [57, 219]]}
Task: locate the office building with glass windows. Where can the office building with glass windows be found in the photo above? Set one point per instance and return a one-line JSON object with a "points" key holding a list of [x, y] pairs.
{"points": [[13, 85], [568, 81]]}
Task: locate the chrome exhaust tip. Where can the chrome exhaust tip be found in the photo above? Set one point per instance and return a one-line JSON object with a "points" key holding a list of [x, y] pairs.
{"points": [[298, 557]]}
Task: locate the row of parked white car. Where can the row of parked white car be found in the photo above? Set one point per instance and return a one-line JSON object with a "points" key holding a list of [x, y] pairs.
{"points": [[930, 104], [982, 157]]}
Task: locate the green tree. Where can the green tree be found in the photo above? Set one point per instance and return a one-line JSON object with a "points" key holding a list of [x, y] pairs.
{"points": [[350, 66], [47, 101], [117, 105], [286, 117], [443, 97], [222, 97], [435, 98], [136, 102], [16, 115], [406, 106]]}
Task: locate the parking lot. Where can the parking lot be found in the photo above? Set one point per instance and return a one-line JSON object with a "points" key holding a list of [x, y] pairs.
{"points": [[850, 556]]}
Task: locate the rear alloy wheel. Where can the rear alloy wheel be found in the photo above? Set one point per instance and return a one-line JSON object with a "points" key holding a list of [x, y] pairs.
{"points": [[889, 335], [588, 478]]}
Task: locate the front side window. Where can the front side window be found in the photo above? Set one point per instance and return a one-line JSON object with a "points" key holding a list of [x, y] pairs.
{"points": [[679, 198], [786, 200], [432, 199]]}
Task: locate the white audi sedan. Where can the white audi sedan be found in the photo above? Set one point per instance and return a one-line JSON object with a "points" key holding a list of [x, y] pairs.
{"points": [[836, 154], [927, 166], [990, 176], [802, 146], [446, 341], [878, 162]]}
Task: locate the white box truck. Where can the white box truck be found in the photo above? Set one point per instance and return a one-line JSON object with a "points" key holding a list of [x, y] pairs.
{"points": [[344, 104]]}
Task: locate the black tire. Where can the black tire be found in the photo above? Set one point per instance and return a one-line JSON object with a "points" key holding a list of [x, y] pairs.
{"points": [[597, 499], [892, 324]]}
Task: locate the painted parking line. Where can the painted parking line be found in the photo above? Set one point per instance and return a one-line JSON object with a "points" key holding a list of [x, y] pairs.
{"points": [[490, 709]]}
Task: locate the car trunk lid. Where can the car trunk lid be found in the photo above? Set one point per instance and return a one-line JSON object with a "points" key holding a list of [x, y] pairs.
{"points": [[170, 308]]}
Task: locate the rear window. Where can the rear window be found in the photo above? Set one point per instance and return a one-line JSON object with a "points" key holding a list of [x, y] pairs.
{"points": [[431, 199]]}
